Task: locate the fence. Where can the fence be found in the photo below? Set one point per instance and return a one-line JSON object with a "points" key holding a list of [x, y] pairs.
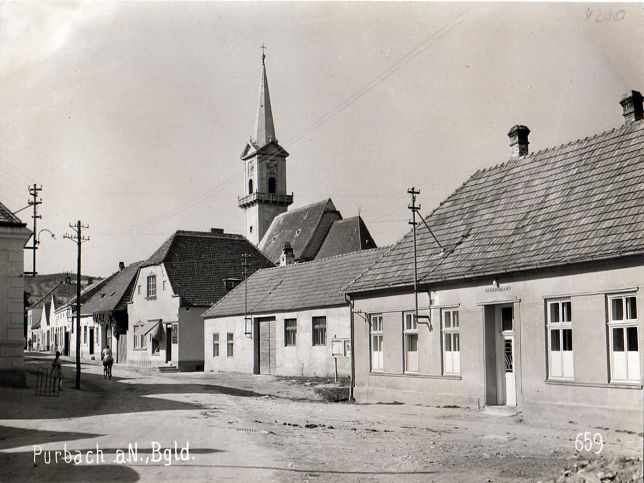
{"points": [[46, 382]]}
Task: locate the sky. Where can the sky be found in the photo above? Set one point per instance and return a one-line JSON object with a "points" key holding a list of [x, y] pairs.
{"points": [[132, 115]]}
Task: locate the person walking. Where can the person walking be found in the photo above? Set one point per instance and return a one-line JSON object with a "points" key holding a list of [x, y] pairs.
{"points": [[57, 371]]}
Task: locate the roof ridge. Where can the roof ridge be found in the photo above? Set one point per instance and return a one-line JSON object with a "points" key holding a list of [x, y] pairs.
{"points": [[310, 205]]}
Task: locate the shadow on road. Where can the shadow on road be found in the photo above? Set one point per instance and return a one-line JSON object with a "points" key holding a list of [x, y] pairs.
{"points": [[15, 437]]}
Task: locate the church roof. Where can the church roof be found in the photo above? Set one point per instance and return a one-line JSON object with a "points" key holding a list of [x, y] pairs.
{"points": [[578, 202], [345, 236], [198, 262], [7, 218], [304, 228], [296, 287], [264, 126]]}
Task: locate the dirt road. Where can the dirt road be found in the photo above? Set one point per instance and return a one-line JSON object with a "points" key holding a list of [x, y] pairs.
{"points": [[263, 428]]}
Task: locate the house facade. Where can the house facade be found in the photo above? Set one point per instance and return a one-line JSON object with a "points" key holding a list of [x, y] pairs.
{"points": [[290, 320], [13, 237], [531, 300], [186, 275]]}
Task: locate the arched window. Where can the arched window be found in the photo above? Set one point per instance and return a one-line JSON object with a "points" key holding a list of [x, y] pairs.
{"points": [[250, 186], [272, 185]]}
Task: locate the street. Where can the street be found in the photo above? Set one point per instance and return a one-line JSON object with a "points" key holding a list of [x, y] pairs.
{"points": [[242, 427]]}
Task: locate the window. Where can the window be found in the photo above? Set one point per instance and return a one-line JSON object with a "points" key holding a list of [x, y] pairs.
{"points": [[451, 328], [175, 333], [624, 347], [229, 343], [290, 332], [272, 185], [319, 330], [506, 318], [156, 346], [152, 286], [84, 334], [231, 283], [560, 360], [410, 332], [250, 186], [215, 345], [376, 342]]}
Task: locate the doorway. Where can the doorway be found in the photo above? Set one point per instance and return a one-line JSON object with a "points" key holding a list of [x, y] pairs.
{"points": [[168, 343], [500, 366], [66, 350], [265, 345], [91, 340]]}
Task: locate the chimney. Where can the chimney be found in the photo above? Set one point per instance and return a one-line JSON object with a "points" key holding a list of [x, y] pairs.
{"points": [[218, 231], [632, 106], [121, 265], [519, 140], [287, 257]]}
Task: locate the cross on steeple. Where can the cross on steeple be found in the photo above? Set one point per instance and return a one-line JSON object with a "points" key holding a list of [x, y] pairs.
{"points": [[263, 53]]}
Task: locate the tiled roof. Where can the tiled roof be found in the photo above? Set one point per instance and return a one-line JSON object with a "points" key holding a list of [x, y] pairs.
{"points": [[198, 263], [304, 228], [297, 286], [9, 219], [114, 293], [345, 236], [577, 202]]}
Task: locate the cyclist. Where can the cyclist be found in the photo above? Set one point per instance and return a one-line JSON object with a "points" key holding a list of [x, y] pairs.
{"points": [[108, 360]]}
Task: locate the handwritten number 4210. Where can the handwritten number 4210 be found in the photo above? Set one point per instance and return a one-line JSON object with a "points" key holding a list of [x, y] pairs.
{"points": [[603, 16]]}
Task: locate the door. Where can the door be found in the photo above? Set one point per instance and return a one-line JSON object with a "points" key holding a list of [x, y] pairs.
{"points": [[66, 343], [91, 340], [508, 367], [168, 343], [267, 346]]}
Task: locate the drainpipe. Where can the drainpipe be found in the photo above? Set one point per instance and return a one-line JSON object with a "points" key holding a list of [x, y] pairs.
{"points": [[353, 361]]}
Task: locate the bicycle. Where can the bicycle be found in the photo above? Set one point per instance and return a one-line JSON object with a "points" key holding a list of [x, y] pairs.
{"points": [[107, 369]]}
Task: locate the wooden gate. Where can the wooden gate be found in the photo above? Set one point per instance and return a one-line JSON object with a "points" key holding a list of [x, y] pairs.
{"points": [[267, 346]]}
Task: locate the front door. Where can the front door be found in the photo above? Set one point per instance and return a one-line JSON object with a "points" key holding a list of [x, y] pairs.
{"points": [[500, 377], [266, 346], [168, 343], [91, 340]]}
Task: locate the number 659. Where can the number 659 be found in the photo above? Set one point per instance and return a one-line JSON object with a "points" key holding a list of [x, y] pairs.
{"points": [[586, 440]]}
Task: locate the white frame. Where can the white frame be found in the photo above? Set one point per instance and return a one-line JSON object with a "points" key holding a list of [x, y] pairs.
{"points": [[230, 344], [410, 332], [215, 343], [630, 360], [561, 361], [376, 361], [288, 330], [451, 358], [151, 294]]}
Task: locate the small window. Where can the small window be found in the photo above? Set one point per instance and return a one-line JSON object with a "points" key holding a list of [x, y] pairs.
{"points": [[250, 187], [506, 318], [376, 342], [231, 283], [175, 333], [290, 332], [229, 344], [411, 342], [624, 346], [319, 330], [272, 185], [152, 286], [215, 345], [451, 342], [560, 354]]}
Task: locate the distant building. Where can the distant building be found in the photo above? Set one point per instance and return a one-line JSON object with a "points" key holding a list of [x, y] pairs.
{"points": [[534, 299], [298, 320], [13, 237], [267, 222], [104, 314], [186, 275]]}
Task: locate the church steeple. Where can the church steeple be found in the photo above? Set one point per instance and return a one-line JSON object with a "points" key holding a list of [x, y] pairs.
{"points": [[264, 170], [264, 127]]}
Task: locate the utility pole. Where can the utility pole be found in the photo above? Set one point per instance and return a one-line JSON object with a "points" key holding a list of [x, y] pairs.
{"points": [[413, 192], [247, 325], [35, 202], [78, 238]]}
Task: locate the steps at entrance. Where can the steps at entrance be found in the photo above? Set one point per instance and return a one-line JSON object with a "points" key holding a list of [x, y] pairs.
{"points": [[167, 368], [500, 410]]}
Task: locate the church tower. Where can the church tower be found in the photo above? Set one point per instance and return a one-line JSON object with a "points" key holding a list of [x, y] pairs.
{"points": [[264, 161]]}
